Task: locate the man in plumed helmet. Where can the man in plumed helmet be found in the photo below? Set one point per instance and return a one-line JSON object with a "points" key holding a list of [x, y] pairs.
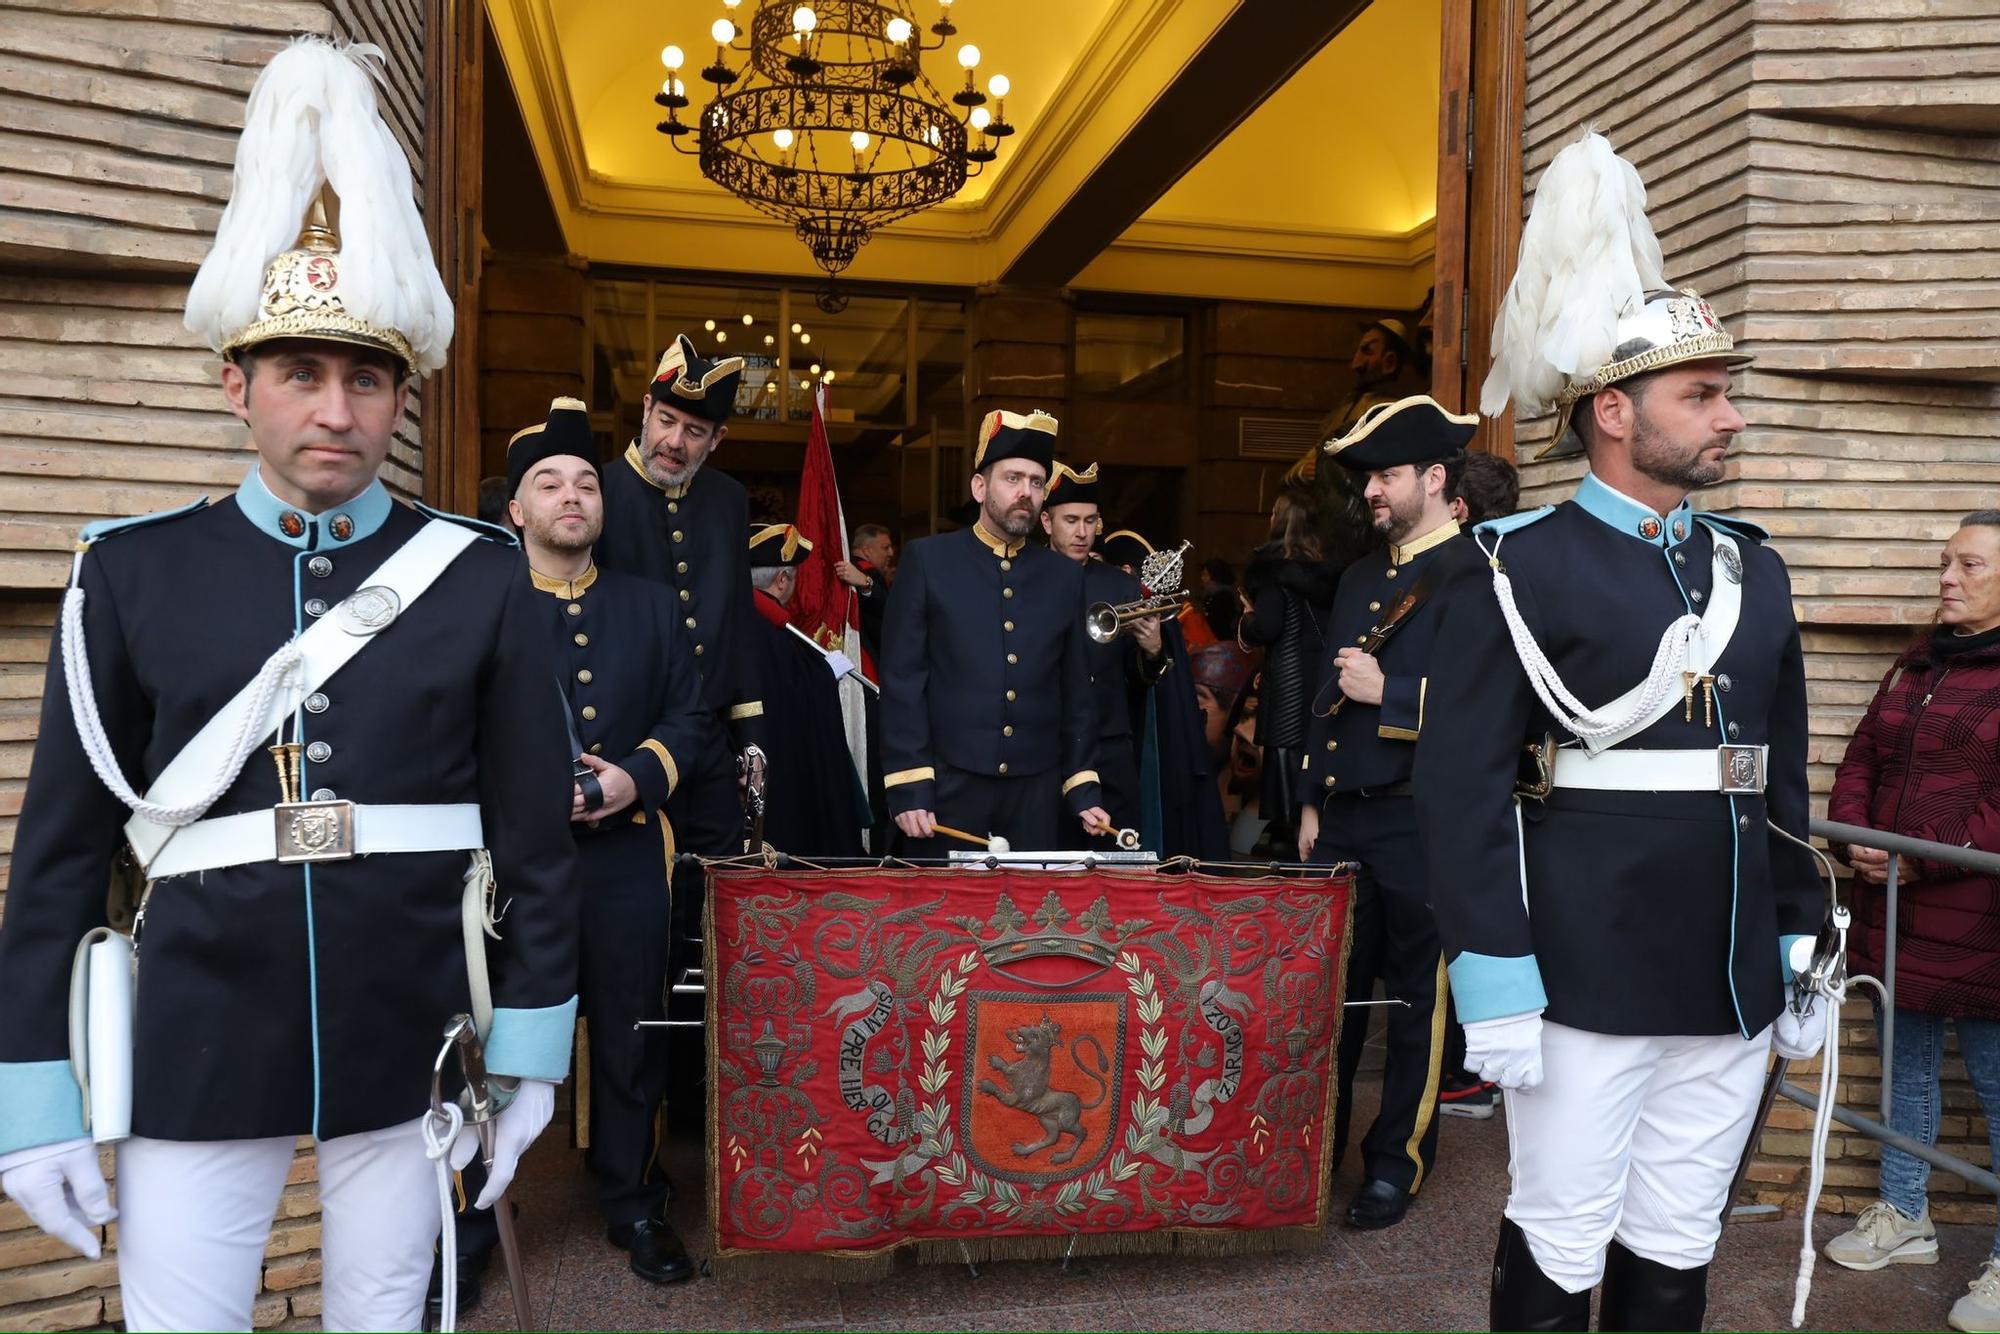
{"points": [[1370, 708], [336, 771], [1612, 778], [987, 723]]}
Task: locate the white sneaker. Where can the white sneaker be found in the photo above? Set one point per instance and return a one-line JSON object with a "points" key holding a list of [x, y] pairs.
{"points": [[1979, 1309], [1881, 1236]]}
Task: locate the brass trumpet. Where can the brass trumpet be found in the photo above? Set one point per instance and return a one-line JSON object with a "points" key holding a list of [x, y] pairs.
{"points": [[1104, 621]]}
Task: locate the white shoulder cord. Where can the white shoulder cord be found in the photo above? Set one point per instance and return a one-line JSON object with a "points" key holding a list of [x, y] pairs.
{"points": [[276, 671], [1663, 681]]}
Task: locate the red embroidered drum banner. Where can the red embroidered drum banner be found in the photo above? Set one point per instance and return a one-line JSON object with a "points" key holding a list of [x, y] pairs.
{"points": [[1015, 1063]]}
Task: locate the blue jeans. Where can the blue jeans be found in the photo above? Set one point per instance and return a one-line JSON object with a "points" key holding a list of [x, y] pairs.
{"points": [[1915, 1102]]}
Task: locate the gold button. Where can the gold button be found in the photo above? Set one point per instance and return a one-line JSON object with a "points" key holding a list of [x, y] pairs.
{"points": [[697, 650], [679, 536], [1006, 592], [1006, 625], [1011, 659], [1374, 606], [673, 507], [583, 641], [1007, 731], [685, 595], [1006, 565], [576, 609], [690, 622], [584, 676], [589, 712], [1010, 697], [681, 568], [1333, 745], [1392, 572], [1003, 767], [1329, 782], [597, 747], [1361, 639]]}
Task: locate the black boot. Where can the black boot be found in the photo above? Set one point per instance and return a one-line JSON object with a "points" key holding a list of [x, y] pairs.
{"points": [[1523, 1296], [1645, 1294]]}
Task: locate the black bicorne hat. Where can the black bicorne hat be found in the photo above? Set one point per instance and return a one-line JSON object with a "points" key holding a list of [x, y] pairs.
{"points": [[1067, 486], [777, 544], [1009, 435], [693, 383], [1410, 430]]}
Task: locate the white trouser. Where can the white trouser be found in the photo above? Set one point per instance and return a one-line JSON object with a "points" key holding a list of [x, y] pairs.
{"points": [[194, 1217], [1629, 1137]]}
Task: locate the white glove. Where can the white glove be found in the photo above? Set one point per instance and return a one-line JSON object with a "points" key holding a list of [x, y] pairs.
{"points": [[838, 663], [62, 1190], [519, 1122], [1506, 1051], [1799, 1038]]}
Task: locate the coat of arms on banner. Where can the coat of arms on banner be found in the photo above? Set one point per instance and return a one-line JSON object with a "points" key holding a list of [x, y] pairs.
{"points": [[1016, 1063]]}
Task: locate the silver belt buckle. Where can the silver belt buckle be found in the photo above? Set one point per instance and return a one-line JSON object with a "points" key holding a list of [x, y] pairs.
{"points": [[315, 831], [1742, 770]]}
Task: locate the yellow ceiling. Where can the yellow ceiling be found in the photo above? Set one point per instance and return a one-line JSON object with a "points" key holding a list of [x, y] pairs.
{"points": [[1324, 194]]}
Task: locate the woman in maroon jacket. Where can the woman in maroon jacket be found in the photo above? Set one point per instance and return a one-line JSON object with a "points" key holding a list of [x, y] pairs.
{"points": [[1925, 763]]}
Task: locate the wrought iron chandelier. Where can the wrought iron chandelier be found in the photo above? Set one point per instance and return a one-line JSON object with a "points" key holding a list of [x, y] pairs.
{"points": [[831, 124]]}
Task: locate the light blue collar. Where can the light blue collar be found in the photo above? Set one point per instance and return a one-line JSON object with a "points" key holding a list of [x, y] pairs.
{"points": [[340, 526], [1617, 510]]}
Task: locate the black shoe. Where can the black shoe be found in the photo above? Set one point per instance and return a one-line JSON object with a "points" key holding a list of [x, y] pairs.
{"points": [[1645, 1294], [1461, 1094], [657, 1253], [1524, 1297], [471, 1277], [1377, 1205]]}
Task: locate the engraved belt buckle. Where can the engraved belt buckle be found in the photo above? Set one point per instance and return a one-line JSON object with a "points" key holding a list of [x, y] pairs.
{"points": [[1742, 770], [314, 831]]}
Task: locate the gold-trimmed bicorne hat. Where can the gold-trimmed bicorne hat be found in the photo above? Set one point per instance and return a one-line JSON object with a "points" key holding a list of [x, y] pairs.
{"points": [[695, 384], [322, 239], [1589, 306]]}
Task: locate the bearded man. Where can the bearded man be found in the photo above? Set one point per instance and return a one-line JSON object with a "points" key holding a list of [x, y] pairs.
{"points": [[987, 719], [1355, 802]]}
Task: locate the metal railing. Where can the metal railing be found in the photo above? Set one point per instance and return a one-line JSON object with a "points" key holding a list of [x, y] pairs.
{"points": [[1898, 846]]}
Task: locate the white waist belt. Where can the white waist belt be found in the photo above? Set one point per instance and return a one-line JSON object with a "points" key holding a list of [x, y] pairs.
{"points": [[238, 840], [1732, 770]]}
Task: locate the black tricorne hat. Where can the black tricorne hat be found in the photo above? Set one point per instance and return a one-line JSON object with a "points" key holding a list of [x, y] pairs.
{"points": [[565, 433], [1124, 547], [1067, 486], [1009, 435], [1410, 430], [694, 384], [777, 544]]}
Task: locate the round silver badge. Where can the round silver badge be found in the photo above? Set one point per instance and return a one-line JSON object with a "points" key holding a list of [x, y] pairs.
{"points": [[1732, 565], [369, 610]]}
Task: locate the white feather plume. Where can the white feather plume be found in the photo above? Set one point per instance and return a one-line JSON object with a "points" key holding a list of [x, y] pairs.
{"points": [[1588, 256], [312, 118]]}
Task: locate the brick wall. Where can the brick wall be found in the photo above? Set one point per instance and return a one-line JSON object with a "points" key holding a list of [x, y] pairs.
{"points": [[1828, 175]]}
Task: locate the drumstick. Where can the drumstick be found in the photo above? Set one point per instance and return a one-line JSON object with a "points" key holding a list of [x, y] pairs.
{"points": [[961, 834]]}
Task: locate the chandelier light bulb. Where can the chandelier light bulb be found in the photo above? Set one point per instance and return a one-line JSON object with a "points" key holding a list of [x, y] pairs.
{"points": [[980, 118], [803, 19], [899, 30], [724, 32], [999, 85], [968, 57], [709, 325], [668, 87], [828, 377], [731, 4], [798, 328], [805, 338], [748, 321], [679, 89], [722, 335], [936, 136], [672, 57], [770, 386], [770, 339], [814, 368], [782, 138], [860, 140]]}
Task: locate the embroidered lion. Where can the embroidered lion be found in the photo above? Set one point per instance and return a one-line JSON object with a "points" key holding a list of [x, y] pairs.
{"points": [[1059, 1111]]}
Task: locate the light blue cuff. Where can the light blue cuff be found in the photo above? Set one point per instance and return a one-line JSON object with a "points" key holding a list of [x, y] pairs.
{"points": [[40, 1103], [1785, 955], [1486, 987], [532, 1044]]}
